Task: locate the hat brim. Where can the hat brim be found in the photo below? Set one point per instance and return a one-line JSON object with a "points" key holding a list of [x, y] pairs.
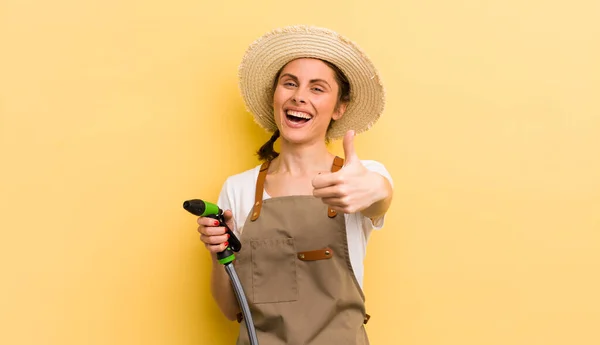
{"points": [[267, 55]]}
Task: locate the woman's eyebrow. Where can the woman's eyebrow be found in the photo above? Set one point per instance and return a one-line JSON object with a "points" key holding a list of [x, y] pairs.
{"points": [[288, 75], [319, 81], [311, 81]]}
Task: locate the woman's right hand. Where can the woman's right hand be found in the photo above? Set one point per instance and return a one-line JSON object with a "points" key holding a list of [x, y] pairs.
{"points": [[212, 235]]}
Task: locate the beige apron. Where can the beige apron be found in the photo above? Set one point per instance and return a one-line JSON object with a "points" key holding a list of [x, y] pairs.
{"points": [[296, 273]]}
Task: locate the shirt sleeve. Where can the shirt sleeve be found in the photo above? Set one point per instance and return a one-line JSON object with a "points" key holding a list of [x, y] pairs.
{"points": [[378, 222]]}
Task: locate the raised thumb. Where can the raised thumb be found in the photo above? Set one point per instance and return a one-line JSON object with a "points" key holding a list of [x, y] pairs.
{"points": [[349, 153]]}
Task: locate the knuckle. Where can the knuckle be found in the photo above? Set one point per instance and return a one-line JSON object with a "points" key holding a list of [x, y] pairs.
{"points": [[212, 231], [218, 247], [345, 201], [203, 221], [315, 181], [353, 208], [215, 239], [204, 239]]}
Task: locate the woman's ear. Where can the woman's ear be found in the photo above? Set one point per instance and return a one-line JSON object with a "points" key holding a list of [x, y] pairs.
{"points": [[339, 112]]}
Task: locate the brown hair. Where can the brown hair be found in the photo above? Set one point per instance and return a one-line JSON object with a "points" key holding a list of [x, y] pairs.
{"points": [[267, 152]]}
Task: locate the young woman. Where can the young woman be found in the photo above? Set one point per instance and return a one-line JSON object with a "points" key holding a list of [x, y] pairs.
{"points": [[304, 215]]}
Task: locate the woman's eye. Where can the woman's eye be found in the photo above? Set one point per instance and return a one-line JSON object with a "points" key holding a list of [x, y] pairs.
{"points": [[289, 83], [318, 89]]}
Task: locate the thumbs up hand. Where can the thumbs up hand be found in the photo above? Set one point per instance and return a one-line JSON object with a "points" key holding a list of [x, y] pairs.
{"points": [[351, 189]]}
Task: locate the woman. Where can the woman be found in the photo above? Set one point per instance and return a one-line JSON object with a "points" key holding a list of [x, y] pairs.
{"points": [[304, 215]]}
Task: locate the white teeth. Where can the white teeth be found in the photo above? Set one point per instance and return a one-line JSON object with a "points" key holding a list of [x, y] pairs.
{"points": [[299, 114]]}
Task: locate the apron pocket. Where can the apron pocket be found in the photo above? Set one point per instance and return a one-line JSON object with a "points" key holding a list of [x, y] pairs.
{"points": [[274, 270]]}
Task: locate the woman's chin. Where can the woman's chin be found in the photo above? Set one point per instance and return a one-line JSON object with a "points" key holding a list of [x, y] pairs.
{"points": [[295, 136], [294, 139], [297, 140]]}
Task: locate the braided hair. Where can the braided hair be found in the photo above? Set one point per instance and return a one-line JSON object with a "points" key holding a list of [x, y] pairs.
{"points": [[267, 152]]}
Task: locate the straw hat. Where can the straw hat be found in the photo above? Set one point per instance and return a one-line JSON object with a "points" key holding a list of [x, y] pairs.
{"points": [[268, 54]]}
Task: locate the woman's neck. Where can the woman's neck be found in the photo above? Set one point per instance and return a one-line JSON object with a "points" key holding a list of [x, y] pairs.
{"points": [[302, 160]]}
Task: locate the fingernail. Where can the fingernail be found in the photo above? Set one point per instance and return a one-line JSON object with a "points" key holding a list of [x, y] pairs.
{"points": [[226, 244], [216, 222], [227, 235]]}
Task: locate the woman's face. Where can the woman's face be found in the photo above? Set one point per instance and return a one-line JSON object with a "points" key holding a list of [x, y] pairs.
{"points": [[305, 101]]}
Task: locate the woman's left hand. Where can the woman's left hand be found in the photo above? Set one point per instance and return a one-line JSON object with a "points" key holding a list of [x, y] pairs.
{"points": [[353, 188]]}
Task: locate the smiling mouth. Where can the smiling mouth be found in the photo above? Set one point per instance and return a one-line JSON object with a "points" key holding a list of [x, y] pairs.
{"points": [[298, 117]]}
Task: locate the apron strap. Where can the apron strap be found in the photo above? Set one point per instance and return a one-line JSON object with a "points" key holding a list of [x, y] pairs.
{"points": [[260, 185], [338, 163]]}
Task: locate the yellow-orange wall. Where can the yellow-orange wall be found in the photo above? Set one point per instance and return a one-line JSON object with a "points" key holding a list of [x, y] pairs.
{"points": [[113, 112]]}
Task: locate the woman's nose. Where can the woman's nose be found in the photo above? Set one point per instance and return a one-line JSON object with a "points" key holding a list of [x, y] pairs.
{"points": [[298, 97]]}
